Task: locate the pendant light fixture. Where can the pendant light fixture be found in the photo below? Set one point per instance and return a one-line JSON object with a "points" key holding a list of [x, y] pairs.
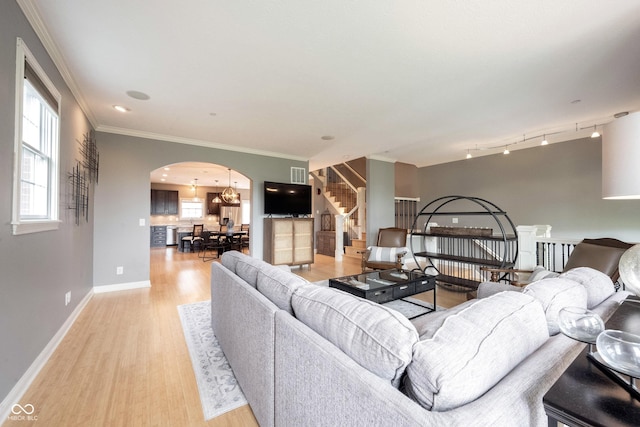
{"points": [[229, 194], [217, 198], [595, 133], [236, 198], [194, 187]]}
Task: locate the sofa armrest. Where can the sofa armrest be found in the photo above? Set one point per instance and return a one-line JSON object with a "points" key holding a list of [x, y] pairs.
{"points": [[243, 321], [317, 384]]}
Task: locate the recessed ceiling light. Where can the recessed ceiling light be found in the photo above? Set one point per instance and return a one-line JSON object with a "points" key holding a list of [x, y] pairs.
{"points": [[167, 169], [212, 114], [162, 179], [164, 174], [138, 95], [576, 101], [327, 137], [121, 108]]}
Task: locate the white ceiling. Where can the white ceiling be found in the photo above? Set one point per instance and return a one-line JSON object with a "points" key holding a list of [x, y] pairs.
{"points": [[206, 174], [419, 82]]}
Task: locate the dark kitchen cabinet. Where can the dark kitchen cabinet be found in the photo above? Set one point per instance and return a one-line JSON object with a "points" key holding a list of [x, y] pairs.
{"points": [[164, 202], [214, 208], [158, 235]]}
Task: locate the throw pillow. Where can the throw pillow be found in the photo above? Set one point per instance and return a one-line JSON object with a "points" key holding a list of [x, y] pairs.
{"points": [[384, 254], [555, 294], [474, 349], [376, 337], [598, 285]]}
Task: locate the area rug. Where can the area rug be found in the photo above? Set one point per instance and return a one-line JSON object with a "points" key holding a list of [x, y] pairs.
{"points": [[415, 308], [406, 308], [218, 388]]}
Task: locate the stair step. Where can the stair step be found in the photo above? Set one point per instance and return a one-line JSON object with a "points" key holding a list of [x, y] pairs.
{"points": [[359, 243], [352, 251], [353, 256]]}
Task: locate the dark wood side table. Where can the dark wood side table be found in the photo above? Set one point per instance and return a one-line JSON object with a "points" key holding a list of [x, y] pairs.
{"points": [[585, 396]]}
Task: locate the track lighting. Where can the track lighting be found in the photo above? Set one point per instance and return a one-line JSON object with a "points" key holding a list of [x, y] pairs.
{"points": [[544, 140]]}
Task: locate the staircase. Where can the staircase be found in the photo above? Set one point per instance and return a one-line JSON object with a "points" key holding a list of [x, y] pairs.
{"points": [[340, 185], [357, 245]]}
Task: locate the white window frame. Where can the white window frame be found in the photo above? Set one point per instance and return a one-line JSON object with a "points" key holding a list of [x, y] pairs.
{"points": [[191, 200], [51, 220]]}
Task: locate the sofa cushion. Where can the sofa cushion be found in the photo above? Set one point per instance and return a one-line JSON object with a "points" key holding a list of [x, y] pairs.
{"points": [[230, 258], [278, 285], [384, 254], [247, 269], [486, 289], [474, 349], [429, 323], [376, 337], [598, 285], [555, 294], [540, 273]]}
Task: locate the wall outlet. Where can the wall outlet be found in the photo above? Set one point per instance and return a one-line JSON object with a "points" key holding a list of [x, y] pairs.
{"points": [[454, 220], [142, 222], [67, 298], [119, 270]]}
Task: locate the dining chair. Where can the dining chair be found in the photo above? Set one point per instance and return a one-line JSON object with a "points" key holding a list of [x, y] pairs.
{"points": [[195, 237]]}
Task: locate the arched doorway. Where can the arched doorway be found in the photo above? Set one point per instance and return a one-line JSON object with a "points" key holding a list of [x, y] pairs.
{"points": [[188, 193]]}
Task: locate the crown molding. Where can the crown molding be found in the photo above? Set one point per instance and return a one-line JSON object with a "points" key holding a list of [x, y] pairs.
{"points": [[32, 14], [197, 142], [381, 158]]}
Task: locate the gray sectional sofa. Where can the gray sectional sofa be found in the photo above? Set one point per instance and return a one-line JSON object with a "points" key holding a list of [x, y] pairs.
{"points": [[309, 355]]}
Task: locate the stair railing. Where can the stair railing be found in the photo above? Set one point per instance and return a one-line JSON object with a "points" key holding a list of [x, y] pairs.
{"points": [[346, 195]]}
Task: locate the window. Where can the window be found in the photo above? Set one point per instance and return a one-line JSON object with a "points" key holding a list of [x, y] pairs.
{"points": [[190, 208], [246, 211], [35, 186]]}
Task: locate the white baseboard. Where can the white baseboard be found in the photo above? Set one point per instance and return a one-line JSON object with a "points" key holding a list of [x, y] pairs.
{"points": [[121, 287], [27, 378]]}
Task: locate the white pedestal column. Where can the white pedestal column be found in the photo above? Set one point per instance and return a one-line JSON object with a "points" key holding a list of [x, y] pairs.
{"points": [[339, 237]]}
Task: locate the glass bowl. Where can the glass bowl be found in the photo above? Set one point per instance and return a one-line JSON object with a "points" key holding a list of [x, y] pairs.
{"points": [[621, 351], [580, 324]]}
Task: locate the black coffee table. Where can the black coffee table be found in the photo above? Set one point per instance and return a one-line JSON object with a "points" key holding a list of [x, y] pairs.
{"points": [[584, 395], [386, 285]]}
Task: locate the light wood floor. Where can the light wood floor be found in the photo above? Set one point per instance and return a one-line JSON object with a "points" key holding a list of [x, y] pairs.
{"points": [[125, 361]]}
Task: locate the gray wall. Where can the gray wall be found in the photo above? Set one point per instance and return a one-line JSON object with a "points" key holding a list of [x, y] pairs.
{"points": [[558, 184], [122, 198], [36, 270], [380, 197]]}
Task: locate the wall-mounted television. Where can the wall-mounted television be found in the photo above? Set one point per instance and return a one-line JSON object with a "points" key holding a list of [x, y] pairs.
{"points": [[286, 199]]}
